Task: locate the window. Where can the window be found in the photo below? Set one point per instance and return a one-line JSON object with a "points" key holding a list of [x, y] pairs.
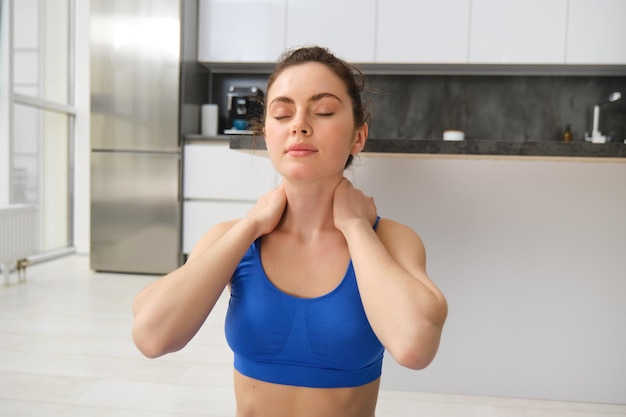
{"points": [[40, 112]]}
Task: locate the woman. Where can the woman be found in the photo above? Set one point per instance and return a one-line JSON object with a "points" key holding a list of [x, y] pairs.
{"points": [[320, 285]]}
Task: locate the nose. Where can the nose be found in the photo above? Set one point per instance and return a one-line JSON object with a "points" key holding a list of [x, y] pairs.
{"points": [[300, 127]]}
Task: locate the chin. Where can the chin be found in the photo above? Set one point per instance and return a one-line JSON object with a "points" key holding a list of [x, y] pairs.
{"points": [[303, 171]]}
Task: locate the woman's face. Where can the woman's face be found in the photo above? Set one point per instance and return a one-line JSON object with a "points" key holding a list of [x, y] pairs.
{"points": [[309, 123]]}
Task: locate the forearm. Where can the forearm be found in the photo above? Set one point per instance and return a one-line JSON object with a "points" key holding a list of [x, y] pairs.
{"points": [[404, 308], [169, 312]]}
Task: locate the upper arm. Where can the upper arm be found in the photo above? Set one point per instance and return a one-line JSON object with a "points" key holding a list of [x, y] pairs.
{"points": [[407, 249]]}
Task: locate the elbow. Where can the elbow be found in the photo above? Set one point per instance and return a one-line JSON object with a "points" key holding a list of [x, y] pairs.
{"points": [[150, 344], [149, 350], [152, 348], [147, 345], [414, 359], [419, 349], [147, 333]]}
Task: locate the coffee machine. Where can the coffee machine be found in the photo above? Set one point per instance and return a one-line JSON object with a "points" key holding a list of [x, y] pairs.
{"points": [[244, 106]]}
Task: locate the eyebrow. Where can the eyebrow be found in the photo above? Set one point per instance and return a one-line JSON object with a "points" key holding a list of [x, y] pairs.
{"points": [[315, 97]]}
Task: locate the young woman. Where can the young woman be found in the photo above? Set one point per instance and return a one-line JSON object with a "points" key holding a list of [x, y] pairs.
{"points": [[320, 285]]}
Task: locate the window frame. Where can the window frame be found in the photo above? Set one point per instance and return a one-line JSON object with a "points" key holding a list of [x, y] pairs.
{"points": [[12, 99]]}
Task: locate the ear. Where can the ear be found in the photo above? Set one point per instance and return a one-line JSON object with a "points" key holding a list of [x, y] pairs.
{"points": [[360, 139]]}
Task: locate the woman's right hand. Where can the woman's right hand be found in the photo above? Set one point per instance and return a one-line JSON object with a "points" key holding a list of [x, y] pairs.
{"points": [[268, 210]]}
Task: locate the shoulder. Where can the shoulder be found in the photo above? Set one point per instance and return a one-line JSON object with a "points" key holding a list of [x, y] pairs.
{"points": [[400, 240], [388, 229], [212, 235]]}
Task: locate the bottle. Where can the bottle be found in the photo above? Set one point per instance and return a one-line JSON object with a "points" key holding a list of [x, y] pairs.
{"points": [[567, 134]]}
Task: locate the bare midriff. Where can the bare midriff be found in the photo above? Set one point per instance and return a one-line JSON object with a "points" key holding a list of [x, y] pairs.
{"points": [[263, 399]]}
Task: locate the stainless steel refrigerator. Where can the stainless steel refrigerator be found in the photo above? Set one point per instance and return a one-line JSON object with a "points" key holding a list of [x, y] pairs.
{"points": [[146, 92]]}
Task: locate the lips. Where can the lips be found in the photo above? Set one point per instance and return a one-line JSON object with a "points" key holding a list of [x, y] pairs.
{"points": [[301, 149]]}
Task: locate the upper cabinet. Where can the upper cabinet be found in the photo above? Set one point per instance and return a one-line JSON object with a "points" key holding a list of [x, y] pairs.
{"points": [[422, 31], [518, 32], [554, 32], [346, 27], [596, 32], [241, 30]]}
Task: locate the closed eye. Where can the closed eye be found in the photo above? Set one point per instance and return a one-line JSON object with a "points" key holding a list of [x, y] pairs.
{"points": [[281, 116]]}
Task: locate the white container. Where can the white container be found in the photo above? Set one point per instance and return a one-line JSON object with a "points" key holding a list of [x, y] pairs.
{"points": [[453, 135], [209, 119]]}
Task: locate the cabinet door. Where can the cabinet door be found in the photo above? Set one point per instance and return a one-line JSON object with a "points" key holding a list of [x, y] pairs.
{"points": [[346, 27], [200, 216], [214, 171], [241, 31], [596, 32], [518, 31], [422, 31]]}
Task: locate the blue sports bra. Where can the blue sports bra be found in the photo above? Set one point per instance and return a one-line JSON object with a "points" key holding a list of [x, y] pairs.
{"points": [[322, 342]]}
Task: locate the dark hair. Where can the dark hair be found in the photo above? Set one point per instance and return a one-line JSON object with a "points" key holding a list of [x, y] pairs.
{"points": [[352, 77]]}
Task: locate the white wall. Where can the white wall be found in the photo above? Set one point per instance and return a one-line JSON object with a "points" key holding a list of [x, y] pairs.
{"points": [[532, 258]]}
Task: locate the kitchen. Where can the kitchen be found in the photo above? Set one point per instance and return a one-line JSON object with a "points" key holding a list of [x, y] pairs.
{"points": [[521, 231]]}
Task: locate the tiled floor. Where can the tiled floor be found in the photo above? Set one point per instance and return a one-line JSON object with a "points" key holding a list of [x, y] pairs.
{"points": [[66, 350]]}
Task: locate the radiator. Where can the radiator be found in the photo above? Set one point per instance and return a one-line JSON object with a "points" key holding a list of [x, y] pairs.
{"points": [[18, 238]]}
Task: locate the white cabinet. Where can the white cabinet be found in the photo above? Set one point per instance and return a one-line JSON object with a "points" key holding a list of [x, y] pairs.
{"points": [[200, 216], [417, 31], [241, 30], [346, 27], [220, 184], [596, 32], [518, 31], [422, 31], [214, 171]]}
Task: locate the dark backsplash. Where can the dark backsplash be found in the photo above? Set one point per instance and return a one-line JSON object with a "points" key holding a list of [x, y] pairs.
{"points": [[516, 108], [511, 108]]}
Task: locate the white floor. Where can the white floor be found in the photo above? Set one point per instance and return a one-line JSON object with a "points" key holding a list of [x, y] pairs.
{"points": [[66, 350]]}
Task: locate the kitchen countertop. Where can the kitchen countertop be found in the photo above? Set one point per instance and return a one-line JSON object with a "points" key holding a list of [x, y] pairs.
{"points": [[470, 148]]}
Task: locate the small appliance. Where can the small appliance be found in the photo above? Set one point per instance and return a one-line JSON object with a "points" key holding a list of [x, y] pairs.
{"points": [[245, 104]]}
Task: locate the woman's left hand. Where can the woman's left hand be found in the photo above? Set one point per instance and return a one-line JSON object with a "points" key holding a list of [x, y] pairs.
{"points": [[350, 203]]}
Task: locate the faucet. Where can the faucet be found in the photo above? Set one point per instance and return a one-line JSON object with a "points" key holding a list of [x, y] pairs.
{"points": [[596, 135]]}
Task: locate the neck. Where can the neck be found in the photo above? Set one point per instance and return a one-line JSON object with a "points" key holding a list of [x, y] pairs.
{"points": [[309, 207]]}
